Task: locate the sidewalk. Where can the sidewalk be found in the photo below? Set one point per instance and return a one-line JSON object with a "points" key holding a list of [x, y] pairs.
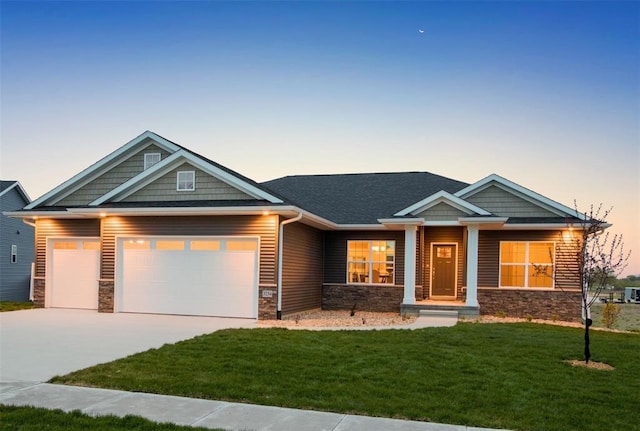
{"points": [[202, 413]]}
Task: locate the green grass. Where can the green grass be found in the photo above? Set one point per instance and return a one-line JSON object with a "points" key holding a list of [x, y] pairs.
{"points": [[628, 319], [510, 376], [37, 419], [13, 306]]}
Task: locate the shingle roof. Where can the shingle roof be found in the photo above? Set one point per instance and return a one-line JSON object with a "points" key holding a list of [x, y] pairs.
{"points": [[360, 198]]}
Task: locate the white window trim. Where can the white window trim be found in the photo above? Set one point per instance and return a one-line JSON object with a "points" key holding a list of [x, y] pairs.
{"points": [[370, 262], [527, 264], [193, 181], [14, 253], [149, 163]]}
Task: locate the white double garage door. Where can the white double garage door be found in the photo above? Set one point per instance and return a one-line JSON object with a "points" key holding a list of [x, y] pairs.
{"points": [[207, 276]]}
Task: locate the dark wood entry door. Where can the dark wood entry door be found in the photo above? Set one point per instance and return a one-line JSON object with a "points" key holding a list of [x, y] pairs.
{"points": [[443, 272]]}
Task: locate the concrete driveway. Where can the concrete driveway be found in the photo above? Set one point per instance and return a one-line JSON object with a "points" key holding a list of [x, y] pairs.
{"points": [[36, 345]]}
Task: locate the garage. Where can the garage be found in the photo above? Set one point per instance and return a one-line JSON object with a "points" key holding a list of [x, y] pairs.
{"points": [[74, 270], [206, 276]]}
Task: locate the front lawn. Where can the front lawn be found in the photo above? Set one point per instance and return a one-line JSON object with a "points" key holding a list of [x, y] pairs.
{"points": [[36, 419], [13, 306], [628, 319], [510, 376]]}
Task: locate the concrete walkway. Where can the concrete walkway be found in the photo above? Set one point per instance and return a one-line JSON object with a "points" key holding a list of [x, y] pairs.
{"points": [[202, 413], [36, 345]]}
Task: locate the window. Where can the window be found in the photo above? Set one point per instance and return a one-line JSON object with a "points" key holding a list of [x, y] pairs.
{"points": [[14, 253], [136, 244], [371, 262], [151, 159], [186, 181], [205, 245], [169, 245], [527, 264], [241, 245]]}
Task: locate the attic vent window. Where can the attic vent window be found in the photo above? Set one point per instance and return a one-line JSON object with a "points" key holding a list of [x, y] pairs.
{"points": [[186, 181], [151, 159]]}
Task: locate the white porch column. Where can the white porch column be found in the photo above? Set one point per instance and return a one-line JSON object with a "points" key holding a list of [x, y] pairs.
{"points": [[472, 265], [410, 264]]}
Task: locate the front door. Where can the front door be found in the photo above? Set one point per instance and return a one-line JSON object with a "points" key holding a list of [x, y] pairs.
{"points": [[443, 271]]}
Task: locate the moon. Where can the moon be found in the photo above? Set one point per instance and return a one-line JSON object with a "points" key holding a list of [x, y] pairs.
{"points": [[420, 30]]}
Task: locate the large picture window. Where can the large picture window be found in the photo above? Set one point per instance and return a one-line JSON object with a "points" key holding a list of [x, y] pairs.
{"points": [[371, 262], [527, 264]]}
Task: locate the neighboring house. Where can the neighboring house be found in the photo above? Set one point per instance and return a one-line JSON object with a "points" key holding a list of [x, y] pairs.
{"points": [[16, 244], [156, 228]]}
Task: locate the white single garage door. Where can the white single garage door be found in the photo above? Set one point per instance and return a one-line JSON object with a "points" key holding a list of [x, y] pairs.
{"points": [[74, 270], [210, 276]]}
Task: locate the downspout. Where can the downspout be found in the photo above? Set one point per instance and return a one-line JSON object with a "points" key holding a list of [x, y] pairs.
{"points": [[280, 251]]}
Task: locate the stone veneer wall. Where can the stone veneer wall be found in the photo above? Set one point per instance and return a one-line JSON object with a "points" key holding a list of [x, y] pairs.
{"points": [[105, 296], [538, 304], [38, 291], [365, 298], [267, 305]]}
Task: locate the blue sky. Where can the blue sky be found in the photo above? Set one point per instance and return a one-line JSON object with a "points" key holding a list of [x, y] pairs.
{"points": [[544, 93]]}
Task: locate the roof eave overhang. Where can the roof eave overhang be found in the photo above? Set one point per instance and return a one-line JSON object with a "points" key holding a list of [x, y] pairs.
{"points": [[549, 226], [34, 215], [282, 210], [401, 223]]}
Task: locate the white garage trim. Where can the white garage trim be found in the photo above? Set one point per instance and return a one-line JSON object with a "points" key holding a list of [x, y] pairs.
{"points": [[72, 272], [189, 275]]}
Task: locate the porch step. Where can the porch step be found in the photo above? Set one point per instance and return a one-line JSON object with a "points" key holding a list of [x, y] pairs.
{"points": [[438, 313], [455, 310]]}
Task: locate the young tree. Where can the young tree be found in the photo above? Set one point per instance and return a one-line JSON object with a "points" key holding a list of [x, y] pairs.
{"points": [[596, 256]]}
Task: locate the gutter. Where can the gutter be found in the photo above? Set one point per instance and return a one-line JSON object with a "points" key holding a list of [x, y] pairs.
{"points": [[280, 250]]}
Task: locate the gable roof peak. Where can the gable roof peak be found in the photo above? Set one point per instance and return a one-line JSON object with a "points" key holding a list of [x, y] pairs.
{"points": [[8, 185], [528, 194]]}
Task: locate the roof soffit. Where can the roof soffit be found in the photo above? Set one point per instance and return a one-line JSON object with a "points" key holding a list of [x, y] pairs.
{"points": [[102, 166]]}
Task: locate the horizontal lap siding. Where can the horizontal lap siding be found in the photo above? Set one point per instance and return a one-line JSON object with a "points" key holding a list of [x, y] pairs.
{"points": [[489, 256], [15, 276], [60, 228], [335, 256], [256, 226], [301, 268]]}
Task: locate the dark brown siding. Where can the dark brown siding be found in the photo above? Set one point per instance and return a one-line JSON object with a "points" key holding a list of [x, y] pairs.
{"points": [[335, 256], [60, 228], [449, 234], [489, 256], [301, 268], [263, 226]]}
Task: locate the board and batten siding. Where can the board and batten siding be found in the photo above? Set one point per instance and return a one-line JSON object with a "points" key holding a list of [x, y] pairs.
{"points": [[119, 174], [264, 227], [61, 228], [335, 255], [449, 235], [207, 187], [505, 204], [302, 248], [489, 256]]}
